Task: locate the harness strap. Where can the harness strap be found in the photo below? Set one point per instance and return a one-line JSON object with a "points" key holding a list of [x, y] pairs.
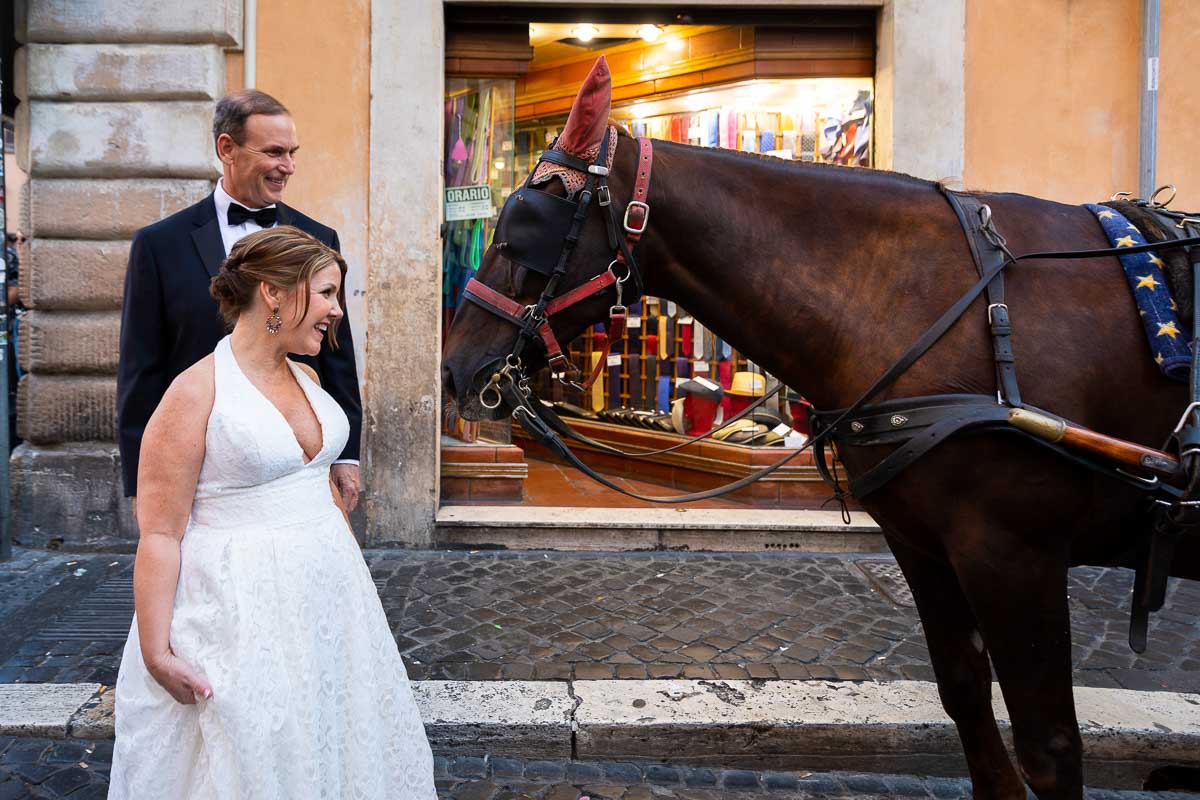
{"points": [[976, 220]]}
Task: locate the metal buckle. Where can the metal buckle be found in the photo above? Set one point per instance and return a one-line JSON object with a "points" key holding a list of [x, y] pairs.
{"points": [[596, 169], [995, 305], [1120, 196], [628, 270], [604, 197], [645, 219]]}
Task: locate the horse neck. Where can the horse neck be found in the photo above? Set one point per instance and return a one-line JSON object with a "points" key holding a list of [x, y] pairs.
{"points": [[787, 262]]}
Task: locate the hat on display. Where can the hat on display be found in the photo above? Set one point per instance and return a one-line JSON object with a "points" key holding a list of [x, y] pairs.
{"points": [[743, 431], [702, 387], [748, 384], [678, 423]]}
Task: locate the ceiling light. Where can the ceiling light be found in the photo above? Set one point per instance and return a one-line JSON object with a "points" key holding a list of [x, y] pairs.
{"points": [[677, 44], [585, 32], [650, 32]]}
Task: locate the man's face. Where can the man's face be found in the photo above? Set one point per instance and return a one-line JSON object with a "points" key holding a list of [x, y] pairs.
{"points": [[257, 170]]}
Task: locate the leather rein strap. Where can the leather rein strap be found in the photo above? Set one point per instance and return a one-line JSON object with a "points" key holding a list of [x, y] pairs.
{"points": [[532, 416]]}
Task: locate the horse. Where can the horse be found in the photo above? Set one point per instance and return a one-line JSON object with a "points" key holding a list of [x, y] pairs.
{"points": [[824, 275]]}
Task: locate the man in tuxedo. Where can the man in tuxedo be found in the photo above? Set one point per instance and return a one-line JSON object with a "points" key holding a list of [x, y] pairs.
{"points": [[169, 320]]}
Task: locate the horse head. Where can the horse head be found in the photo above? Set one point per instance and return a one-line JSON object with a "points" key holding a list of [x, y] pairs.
{"points": [[552, 243]]}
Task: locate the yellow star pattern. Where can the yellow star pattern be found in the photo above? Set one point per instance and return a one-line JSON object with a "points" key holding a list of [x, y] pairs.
{"points": [[1125, 241], [1156, 261], [1142, 311], [1167, 329], [1106, 215], [1158, 359], [1173, 306], [1131, 227], [1147, 282]]}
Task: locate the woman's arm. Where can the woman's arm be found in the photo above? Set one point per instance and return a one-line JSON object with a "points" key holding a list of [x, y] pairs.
{"points": [[171, 456]]}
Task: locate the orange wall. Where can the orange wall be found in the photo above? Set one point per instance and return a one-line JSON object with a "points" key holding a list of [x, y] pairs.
{"points": [[316, 59], [1179, 101], [1052, 91]]}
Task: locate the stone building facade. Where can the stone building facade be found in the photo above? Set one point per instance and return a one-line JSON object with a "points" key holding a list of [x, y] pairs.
{"points": [[113, 130], [116, 105]]}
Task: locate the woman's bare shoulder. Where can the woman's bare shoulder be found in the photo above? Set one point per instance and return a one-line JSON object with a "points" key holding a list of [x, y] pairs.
{"points": [[193, 390], [309, 371]]}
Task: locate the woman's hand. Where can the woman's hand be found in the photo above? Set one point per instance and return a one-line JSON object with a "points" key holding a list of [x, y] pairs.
{"points": [[179, 679]]}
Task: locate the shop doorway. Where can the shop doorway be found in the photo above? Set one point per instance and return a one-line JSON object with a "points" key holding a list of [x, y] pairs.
{"points": [[796, 86]]}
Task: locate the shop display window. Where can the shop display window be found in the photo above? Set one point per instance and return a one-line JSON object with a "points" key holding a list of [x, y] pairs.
{"points": [[480, 169], [671, 374]]}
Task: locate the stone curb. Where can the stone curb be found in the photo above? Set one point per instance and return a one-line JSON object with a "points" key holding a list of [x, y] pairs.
{"points": [[622, 529], [814, 725]]}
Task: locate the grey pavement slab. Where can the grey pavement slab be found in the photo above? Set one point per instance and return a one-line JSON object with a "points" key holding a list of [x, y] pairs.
{"points": [[49, 770], [41, 709], [894, 727], [488, 615]]}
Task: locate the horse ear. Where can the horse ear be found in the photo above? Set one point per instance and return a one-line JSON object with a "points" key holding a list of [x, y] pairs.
{"points": [[589, 114]]}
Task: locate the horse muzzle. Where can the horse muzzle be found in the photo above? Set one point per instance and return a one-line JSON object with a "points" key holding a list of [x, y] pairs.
{"points": [[479, 400]]}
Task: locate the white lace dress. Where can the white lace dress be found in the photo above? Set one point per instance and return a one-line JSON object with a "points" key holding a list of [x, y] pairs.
{"points": [[276, 608]]}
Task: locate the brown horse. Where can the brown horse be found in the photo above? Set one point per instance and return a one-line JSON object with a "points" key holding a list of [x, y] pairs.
{"points": [[824, 276]]}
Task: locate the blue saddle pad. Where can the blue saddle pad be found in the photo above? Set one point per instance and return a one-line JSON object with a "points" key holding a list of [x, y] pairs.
{"points": [[1168, 342]]}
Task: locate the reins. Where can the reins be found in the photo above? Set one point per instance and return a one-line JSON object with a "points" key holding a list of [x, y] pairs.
{"points": [[510, 385]]}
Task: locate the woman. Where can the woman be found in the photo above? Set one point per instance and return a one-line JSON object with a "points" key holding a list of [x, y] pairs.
{"points": [[259, 663]]}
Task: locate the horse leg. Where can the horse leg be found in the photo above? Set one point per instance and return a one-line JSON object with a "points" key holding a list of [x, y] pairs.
{"points": [[1020, 601], [964, 675]]}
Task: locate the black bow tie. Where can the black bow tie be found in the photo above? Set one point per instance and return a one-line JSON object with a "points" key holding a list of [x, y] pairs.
{"points": [[265, 217]]}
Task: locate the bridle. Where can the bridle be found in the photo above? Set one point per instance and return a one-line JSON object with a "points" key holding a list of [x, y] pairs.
{"points": [[521, 229]]}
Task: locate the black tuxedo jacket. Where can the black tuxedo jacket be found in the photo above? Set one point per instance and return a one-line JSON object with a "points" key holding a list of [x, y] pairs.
{"points": [[170, 321]]}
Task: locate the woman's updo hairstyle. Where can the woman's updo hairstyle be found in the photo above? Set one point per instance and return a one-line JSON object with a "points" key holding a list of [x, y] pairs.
{"points": [[284, 257]]}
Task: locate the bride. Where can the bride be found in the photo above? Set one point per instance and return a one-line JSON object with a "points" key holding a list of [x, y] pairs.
{"points": [[259, 664]]}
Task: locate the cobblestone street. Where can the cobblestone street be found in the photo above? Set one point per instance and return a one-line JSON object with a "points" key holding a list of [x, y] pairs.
{"points": [[41, 769], [559, 616]]}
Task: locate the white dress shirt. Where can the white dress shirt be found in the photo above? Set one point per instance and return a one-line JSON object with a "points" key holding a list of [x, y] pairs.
{"points": [[230, 234]]}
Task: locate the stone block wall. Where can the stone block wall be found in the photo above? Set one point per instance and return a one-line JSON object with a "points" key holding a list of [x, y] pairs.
{"points": [[114, 130]]}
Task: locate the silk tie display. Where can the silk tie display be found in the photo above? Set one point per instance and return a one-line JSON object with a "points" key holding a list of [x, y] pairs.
{"points": [[614, 384], [698, 342], [238, 215], [598, 386], [651, 377], [663, 399], [663, 355], [635, 382]]}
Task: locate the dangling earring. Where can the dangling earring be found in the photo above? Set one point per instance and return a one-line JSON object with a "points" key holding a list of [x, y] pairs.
{"points": [[274, 323]]}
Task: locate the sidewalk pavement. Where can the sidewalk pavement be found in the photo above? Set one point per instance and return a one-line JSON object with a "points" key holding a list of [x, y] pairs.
{"points": [[75, 769], [744, 634], [584, 616]]}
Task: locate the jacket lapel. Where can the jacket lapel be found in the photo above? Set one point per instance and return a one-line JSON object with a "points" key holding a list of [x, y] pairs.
{"points": [[207, 238], [283, 215]]}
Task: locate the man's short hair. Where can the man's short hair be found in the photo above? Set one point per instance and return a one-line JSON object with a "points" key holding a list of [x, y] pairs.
{"points": [[236, 107]]}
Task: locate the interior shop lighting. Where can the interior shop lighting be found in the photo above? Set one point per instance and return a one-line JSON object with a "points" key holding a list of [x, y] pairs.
{"points": [[585, 32], [498, 163], [677, 44], [650, 32]]}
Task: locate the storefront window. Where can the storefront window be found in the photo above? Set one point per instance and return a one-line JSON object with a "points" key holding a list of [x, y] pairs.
{"points": [[479, 173], [674, 375]]}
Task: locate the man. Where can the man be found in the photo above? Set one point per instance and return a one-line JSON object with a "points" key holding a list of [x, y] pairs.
{"points": [[169, 320]]}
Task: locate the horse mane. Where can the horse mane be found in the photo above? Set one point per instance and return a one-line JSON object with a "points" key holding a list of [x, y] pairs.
{"points": [[783, 165]]}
